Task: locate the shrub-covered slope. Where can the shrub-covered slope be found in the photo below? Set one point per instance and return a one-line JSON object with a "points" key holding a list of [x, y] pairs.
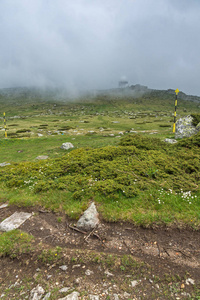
{"points": [[138, 163]]}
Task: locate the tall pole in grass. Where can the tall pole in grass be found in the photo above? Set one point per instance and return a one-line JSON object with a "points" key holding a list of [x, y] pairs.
{"points": [[4, 120], [174, 126]]}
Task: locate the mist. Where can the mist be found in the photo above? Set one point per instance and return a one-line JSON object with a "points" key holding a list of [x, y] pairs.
{"points": [[86, 44]]}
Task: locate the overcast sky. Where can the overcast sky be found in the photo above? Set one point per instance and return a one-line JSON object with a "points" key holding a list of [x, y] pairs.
{"points": [[93, 43]]}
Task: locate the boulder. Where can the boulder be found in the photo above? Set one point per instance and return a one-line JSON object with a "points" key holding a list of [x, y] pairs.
{"points": [[89, 220], [185, 128], [67, 146]]}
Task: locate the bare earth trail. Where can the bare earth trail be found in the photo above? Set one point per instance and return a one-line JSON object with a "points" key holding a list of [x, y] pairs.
{"points": [[171, 251]]}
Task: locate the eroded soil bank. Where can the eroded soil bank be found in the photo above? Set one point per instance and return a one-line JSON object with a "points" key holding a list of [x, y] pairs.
{"points": [[115, 260]]}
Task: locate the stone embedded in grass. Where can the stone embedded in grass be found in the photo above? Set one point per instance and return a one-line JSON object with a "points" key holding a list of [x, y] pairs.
{"points": [[14, 221], [67, 146], [4, 164], [171, 141], [42, 157], [89, 220]]}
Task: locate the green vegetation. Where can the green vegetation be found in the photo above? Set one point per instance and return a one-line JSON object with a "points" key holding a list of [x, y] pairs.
{"points": [[116, 161], [15, 243]]}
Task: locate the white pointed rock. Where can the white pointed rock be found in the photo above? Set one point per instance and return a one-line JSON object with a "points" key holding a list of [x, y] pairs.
{"points": [[89, 220]]}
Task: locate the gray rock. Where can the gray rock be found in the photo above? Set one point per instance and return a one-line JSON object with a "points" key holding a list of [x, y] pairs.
{"points": [[72, 296], [189, 281], [3, 205], [4, 164], [14, 221], [126, 295], [171, 141], [88, 272], [37, 293], [108, 273], [64, 290], [67, 146], [42, 157], [94, 297], [185, 128], [47, 296], [116, 297], [89, 220], [134, 283], [63, 268]]}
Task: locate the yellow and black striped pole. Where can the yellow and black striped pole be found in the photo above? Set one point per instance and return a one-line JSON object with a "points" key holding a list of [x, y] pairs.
{"points": [[174, 126], [4, 120]]}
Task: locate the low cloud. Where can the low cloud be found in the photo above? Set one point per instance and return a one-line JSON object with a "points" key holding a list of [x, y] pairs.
{"points": [[87, 44]]}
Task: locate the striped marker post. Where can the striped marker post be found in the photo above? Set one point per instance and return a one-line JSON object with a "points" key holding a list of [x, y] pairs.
{"points": [[4, 120], [174, 126]]}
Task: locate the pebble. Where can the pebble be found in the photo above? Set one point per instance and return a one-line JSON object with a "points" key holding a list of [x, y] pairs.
{"points": [[63, 268], [88, 272], [189, 281], [64, 290], [134, 283]]}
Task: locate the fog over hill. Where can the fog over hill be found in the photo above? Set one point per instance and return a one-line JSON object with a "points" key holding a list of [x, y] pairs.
{"points": [[65, 94], [87, 44]]}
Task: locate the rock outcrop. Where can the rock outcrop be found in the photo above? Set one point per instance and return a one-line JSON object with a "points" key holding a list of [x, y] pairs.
{"points": [[185, 127]]}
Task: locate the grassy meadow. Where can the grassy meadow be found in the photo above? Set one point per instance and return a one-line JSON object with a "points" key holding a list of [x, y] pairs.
{"points": [[119, 159]]}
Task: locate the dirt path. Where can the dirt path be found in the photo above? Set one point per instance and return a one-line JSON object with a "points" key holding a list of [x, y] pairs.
{"points": [[169, 255]]}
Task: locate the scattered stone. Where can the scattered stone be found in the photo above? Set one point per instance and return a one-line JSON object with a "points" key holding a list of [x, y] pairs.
{"points": [[134, 283], [76, 266], [77, 280], [47, 296], [67, 146], [40, 134], [14, 221], [37, 293], [189, 281], [89, 220], [4, 164], [116, 297], [42, 157], [88, 272], [3, 205], [64, 290], [72, 296], [185, 128], [63, 268], [94, 297], [127, 295], [108, 273], [171, 141], [186, 295]]}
